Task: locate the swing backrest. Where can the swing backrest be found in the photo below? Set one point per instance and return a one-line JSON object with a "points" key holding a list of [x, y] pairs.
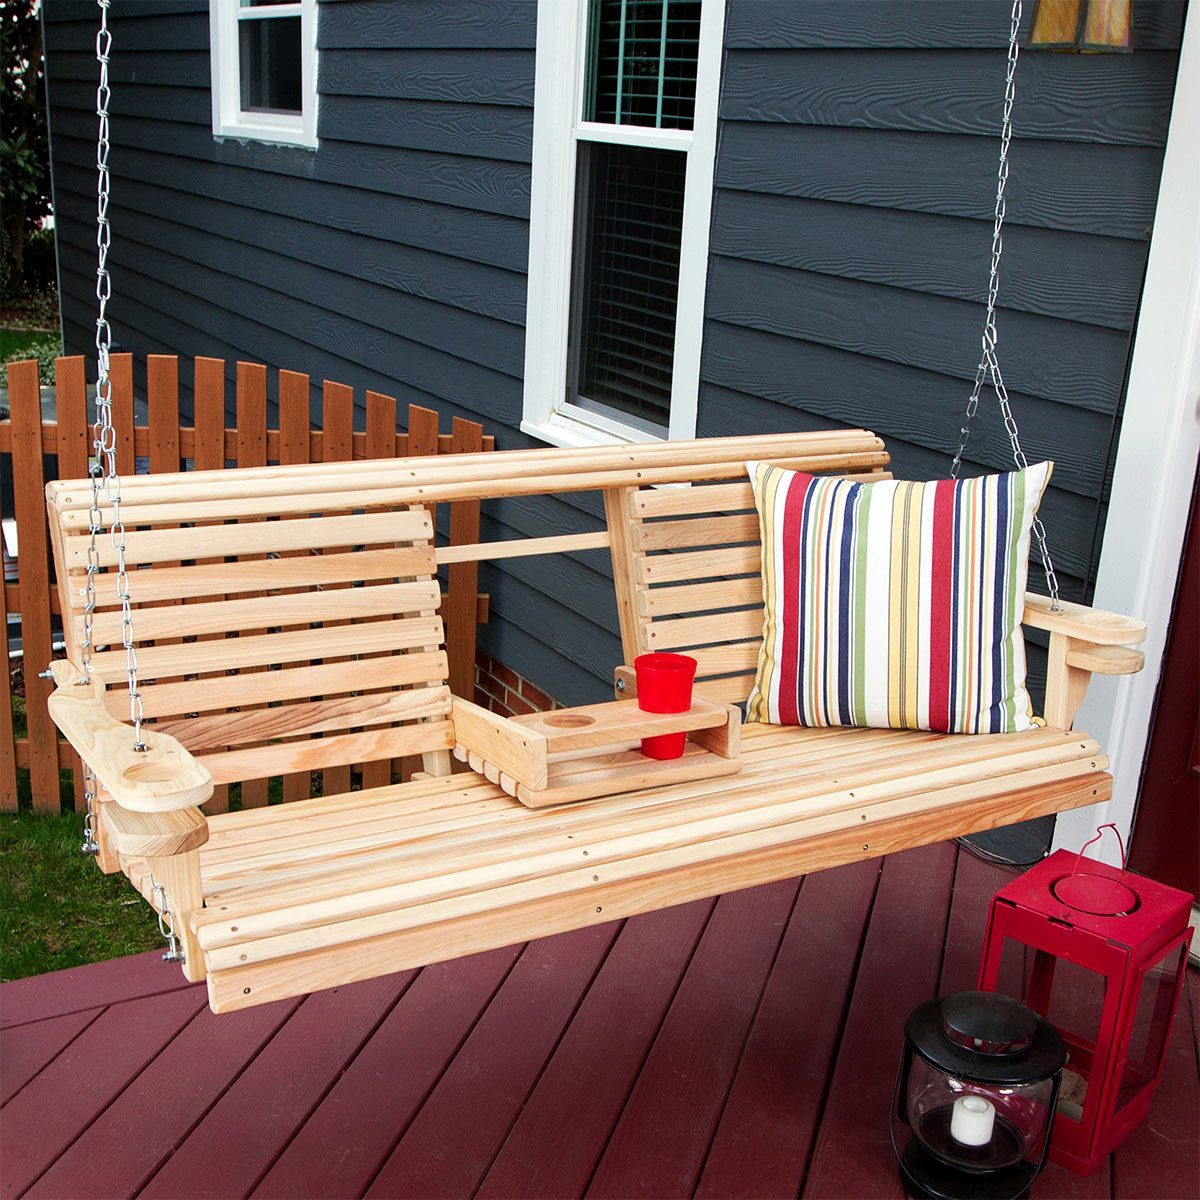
{"points": [[267, 645]]}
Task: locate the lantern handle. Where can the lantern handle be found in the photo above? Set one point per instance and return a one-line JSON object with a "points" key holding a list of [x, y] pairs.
{"points": [[1098, 836]]}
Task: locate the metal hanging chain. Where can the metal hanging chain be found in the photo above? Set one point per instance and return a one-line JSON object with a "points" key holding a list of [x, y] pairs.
{"points": [[104, 475], [989, 365]]}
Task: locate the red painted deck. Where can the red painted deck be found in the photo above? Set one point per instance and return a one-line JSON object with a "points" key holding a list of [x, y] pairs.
{"points": [[738, 1047]]}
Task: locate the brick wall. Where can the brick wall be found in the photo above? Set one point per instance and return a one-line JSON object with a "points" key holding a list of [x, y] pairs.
{"points": [[501, 689]]}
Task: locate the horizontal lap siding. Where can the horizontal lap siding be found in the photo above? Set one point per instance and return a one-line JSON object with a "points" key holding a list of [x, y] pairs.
{"points": [[848, 256], [851, 230]]}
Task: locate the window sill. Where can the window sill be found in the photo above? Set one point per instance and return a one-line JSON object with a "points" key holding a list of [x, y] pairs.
{"points": [[566, 431], [274, 135]]}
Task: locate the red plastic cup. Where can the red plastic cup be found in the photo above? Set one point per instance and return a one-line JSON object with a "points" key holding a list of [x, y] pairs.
{"points": [[664, 685]]}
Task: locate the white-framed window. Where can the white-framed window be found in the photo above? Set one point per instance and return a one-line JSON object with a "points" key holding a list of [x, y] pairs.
{"points": [[624, 138], [264, 70]]}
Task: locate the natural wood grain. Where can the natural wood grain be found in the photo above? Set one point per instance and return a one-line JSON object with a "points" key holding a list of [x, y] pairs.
{"points": [[148, 835], [24, 399], [160, 778]]}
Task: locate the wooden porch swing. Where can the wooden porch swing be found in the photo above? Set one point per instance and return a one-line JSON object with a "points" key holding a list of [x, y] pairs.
{"points": [[281, 619]]}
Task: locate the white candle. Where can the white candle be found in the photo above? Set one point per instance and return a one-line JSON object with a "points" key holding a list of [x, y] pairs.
{"points": [[972, 1120]]}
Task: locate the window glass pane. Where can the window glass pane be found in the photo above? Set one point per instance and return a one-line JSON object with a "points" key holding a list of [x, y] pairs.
{"points": [[642, 62], [269, 53], [627, 279]]}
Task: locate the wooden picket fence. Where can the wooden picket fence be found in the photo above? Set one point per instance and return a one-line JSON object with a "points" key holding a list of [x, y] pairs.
{"points": [[33, 450]]}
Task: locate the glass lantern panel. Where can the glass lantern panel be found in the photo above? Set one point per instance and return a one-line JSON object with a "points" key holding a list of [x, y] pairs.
{"points": [[977, 1126], [1151, 1023]]}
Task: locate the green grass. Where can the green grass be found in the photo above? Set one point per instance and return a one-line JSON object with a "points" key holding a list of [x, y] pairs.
{"points": [[19, 343], [56, 907]]}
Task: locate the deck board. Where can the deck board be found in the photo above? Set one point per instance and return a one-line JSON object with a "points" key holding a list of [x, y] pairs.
{"points": [[762, 1144], [738, 1047], [30, 1048], [449, 1147], [565, 1125], [900, 964], [53, 1109], [677, 1100]]}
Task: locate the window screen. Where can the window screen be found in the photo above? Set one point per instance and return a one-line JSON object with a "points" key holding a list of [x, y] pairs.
{"points": [[642, 62], [628, 225]]}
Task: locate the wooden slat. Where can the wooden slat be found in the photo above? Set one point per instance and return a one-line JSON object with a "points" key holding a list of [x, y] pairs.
{"points": [[699, 631], [700, 597], [737, 657], [251, 452], [559, 543], [423, 441], [293, 608], [209, 453], [255, 537], [621, 523], [699, 531], [294, 421], [25, 403], [701, 564], [202, 695], [162, 399], [326, 753], [120, 371], [337, 425], [268, 574], [381, 443], [688, 502], [261, 650], [319, 716], [70, 405], [463, 577]]}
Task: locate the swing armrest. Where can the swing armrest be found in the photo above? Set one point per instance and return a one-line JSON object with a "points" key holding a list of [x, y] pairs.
{"points": [[153, 835], [1083, 642], [162, 778], [1081, 623]]}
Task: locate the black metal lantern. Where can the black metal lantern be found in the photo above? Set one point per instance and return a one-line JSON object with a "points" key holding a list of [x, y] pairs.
{"points": [[977, 1087]]}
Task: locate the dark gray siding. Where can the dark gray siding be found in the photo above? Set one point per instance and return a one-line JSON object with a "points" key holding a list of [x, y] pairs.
{"points": [[392, 257], [852, 228], [849, 248]]}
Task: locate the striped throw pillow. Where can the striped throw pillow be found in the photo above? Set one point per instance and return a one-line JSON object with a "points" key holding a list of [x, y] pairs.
{"points": [[892, 604]]}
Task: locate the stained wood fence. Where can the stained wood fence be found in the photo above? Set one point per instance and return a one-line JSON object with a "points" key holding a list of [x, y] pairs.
{"points": [[34, 450]]}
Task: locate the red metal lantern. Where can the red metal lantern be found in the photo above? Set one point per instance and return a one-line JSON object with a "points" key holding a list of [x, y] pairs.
{"points": [[1100, 953]]}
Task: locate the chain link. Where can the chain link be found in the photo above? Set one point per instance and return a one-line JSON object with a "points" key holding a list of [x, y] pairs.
{"points": [[106, 480], [989, 365], [166, 923]]}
